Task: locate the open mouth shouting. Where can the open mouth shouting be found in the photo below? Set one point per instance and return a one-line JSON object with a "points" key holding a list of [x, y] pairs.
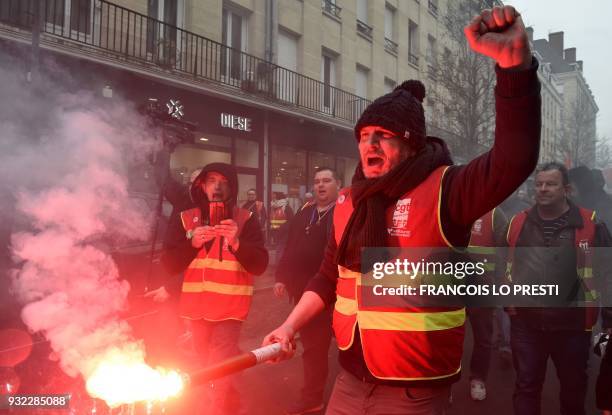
{"points": [[375, 161]]}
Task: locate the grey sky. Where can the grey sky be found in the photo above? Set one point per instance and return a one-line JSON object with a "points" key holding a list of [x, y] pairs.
{"points": [[586, 26]]}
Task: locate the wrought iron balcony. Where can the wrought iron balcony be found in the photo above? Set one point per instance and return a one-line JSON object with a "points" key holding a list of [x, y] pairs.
{"points": [[391, 46], [364, 29], [108, 31], [331, 7], [413, 59], [433, 7]]}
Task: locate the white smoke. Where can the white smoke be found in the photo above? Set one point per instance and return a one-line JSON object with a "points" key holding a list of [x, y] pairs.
{"points": [[64, 158]]}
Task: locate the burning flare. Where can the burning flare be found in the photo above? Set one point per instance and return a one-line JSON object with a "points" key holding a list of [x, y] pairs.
{"points": [[121, 379]]}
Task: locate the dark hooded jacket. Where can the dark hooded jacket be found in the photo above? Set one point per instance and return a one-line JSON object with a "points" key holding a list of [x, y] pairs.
{"points": [[178, 252]]}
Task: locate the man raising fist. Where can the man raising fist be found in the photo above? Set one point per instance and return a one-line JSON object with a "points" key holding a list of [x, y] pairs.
{"points": [[405, 193]]}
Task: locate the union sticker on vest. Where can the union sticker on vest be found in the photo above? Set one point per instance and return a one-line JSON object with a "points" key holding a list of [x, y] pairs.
{"points": [[400, 218], [477, 228]]}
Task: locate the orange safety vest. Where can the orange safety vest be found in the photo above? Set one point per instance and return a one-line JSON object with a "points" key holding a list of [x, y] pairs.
{"points": [[482, 244], [401, 343], [584, 240], [215, 287], [278, 217]]}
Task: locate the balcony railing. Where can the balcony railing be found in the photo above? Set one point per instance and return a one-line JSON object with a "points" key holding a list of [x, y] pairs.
{"points": [[433, 8], [112, 31], [331, 7], [364, 29], [413, 59], [432, 71], [391, 46]]}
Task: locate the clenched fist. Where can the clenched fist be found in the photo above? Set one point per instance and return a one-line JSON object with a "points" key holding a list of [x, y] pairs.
{"points": [[500, 34]]}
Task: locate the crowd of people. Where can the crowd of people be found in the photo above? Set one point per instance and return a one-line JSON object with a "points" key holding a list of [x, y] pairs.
{"points": [[407, 193]]}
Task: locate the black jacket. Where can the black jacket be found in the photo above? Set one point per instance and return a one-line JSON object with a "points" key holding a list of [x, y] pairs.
{"points": [[540, 265], [304, 250], [604, 381]]}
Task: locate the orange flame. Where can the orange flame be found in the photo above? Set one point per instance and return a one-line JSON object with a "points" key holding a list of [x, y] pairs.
{"points": [[117, 382]]}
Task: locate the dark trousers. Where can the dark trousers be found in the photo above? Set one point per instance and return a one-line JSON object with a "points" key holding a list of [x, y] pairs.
{"points": [[481, 320], [316, 338], [216, 341], [351, 396], [531, 348], [604, 381]]}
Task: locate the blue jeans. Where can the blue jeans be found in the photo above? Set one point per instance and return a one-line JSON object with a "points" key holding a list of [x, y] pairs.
{"points": [[531, 348]]}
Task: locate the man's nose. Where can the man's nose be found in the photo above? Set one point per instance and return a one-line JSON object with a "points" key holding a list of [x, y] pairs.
{"points": [[373, 139]]}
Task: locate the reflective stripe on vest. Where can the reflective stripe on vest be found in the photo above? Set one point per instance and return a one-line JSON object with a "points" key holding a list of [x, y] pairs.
{"points": [[217, 288], [278, 217], [584, 240], [400, 343]]}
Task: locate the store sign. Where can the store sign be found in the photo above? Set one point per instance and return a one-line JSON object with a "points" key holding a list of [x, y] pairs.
{"points": [[235, 122]]}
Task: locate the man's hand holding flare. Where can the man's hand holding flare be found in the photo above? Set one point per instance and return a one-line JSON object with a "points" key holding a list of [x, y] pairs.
{"points": [[285, 336]]}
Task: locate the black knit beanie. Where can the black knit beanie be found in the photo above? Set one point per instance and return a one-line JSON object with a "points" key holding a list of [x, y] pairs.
{"points": [[400, 111]]}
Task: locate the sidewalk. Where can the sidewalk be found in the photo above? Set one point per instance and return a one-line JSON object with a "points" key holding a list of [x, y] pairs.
{"points": [[266, 280]]}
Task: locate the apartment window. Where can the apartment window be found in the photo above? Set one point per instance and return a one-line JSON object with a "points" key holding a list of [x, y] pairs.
{"points": [[287, 58], [389, 22], [330, 6], [234, 36], [69, 17], [432, 56], [362, 19], [389, 85], [162, 37], [287, 50], [328, 77], [361, 82], [432, 51], [413, 43], [390, 44]]}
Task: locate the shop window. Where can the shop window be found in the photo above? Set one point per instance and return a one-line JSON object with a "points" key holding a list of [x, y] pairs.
{"points": [[345, 168], [246, 182], [288, 174], [316, 161], [247, 153], [186, 159], [214, 140]]}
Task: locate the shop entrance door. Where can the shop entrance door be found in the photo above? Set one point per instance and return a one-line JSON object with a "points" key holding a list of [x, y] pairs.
{"points": [[247, 180]]}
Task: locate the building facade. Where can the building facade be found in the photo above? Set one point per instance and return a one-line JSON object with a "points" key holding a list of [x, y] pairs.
{"points": [[275, 86], [569, 120]]}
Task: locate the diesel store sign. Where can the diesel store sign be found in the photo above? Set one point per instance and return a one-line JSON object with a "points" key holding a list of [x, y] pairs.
{"points": [[235, 122]]}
